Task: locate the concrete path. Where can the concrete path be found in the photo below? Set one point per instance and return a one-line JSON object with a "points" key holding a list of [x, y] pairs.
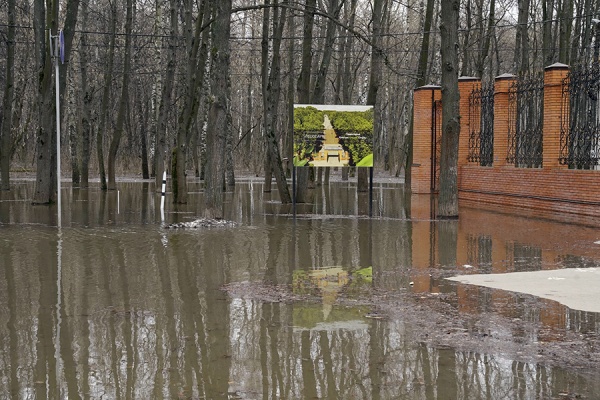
{"points": [[329, 132], [576, 288]]}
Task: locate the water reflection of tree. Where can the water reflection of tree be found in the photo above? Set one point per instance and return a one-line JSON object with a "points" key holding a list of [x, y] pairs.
{"points": [[150, 320], [10, 299], [45, 363]]}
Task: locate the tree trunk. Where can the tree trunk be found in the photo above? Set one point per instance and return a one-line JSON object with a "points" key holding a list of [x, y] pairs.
{"points": [[566, 23], [86, 101], [348, 47], [548, 49], [144, 114], [118, 132], [577, 34], [106, 97], [302, 182], [165, 98], [197, 140], [196, 67], [7, 102], [521, 64], [305, 71], [303, 87], [448, 199], [319, 90], [376, 53], [345, 173], [424, 53], [489, 32], [70, 24], [46, 18], [45, 185], [465, 71], [217, 116], [229, 163], [362, 184], [268, 174], [362, 179], [73, 128], [273, 93], [264, 77], [289, 144]]}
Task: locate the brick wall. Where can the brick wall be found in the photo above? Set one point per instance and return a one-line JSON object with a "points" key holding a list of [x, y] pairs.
{"points": [[423, 100], [545, 192]]}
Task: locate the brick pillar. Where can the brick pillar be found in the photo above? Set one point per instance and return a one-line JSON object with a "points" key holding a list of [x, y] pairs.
{"points": [[423, 99], [466, 85], [553, 78], [501, 86]]}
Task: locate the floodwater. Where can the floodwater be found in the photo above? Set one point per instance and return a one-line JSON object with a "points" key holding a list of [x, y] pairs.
{"points": [[332, 304]]}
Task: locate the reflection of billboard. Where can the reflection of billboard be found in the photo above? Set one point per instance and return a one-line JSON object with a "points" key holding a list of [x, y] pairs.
{"points": [[329, 282], [333, 136]]}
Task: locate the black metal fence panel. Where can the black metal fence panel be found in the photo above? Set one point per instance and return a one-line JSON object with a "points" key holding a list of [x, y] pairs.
{"points": [[436, 145], [580, 118], [481, 126], [526, 121]]}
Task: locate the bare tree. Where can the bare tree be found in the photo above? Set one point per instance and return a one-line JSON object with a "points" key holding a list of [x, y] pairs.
{"points": [[85, 124], [46, 162], [374, 81], [318, 93], [521, 63], [422, 77], [118, 132], [303, 86], [108, 77], [272, 94], [219, 107], [547, 49], [7, 101], [376, 51], [448, 199], [46, 17], [165, 106], [195, 74], [347, 83], [487, 36], [565, 29]]}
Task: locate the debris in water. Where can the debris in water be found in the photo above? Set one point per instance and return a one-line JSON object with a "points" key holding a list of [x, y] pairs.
{"points": [[375, 315], [203, 223]]}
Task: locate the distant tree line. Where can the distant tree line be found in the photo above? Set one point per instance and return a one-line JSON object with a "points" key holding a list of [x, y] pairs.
{"points": [[207, 87]]}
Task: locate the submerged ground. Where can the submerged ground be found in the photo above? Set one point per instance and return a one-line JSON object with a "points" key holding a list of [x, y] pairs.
{"points": [[330, 304]]}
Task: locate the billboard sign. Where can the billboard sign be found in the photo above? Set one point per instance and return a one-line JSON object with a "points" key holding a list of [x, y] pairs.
{"points": [[333, 136]]}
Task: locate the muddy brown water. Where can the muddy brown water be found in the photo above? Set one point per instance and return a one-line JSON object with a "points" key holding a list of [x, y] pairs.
{"points": [[332, 304]]}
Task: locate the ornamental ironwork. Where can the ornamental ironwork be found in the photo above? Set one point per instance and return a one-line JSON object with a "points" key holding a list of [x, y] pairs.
{"points": [[481, 126], [479, 252], [526, 120], [580, 118]]}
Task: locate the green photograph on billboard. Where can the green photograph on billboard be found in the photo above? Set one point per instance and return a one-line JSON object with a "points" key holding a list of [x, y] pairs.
{"points": [[333, 136]]}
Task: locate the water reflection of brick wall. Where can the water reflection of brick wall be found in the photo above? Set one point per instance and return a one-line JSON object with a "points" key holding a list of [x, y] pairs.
{"points": [[548, 192], [495, 242]]}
